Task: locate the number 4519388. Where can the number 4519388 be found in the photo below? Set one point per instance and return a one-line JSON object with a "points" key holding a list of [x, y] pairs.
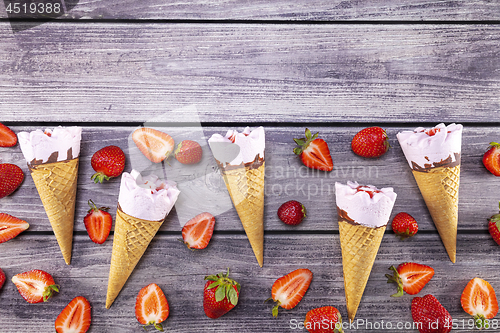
{"points": [[33, 8]]}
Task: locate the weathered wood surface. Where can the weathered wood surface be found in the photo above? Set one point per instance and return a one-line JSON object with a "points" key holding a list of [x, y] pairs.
{"points": [[180, 273], [288, 10], [272, 73], [286, 179]]}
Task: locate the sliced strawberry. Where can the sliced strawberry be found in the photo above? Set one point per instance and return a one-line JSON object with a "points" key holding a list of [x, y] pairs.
{"points": [[98, 223], [288, 290], [151, 306], [314, 152], [11, 177], [410, 277], [7, 137], [75, 317], [479, 300], [10, 227], [198, 231], [491, 159], [155, 145], [2, 278], [35, 286]]}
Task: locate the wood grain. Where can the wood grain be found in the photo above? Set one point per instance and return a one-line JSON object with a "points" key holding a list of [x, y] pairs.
{"points": [[287, 10], [286, 179], [271, 73], [179, 272]]}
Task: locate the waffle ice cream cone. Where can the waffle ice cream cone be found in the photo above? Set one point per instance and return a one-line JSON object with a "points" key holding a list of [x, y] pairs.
{"points": [[439, 188], [240, 157], [360, 246], [434, 155], [131, 239], [52, 157], [56, 185], [363, 214], [246, 188], [143, 204]]}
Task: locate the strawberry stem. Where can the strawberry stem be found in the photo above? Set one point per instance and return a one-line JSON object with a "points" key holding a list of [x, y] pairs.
{"points": [[397, 280], [481, 322], [49, 291]]}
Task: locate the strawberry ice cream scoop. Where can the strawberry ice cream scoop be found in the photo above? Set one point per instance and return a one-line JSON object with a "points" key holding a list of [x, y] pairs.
{"points": [[365, 205], [49, 146], [426, 149], [148, 197], [251, 146]]}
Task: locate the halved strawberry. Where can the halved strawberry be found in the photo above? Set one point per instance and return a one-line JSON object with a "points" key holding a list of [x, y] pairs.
{"points": [[288, 290], [75, 317], [98, 223], [410, 277], [10, 227], [151, 306], [314, 152], [198, 231], [155, 145], [479, 300], [35, 286], [7, 137]]}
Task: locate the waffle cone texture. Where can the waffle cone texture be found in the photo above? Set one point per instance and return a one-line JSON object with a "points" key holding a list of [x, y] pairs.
{"points": [[131, 239], [56, 185], [359, 245], [246, 188], [439, 188]]}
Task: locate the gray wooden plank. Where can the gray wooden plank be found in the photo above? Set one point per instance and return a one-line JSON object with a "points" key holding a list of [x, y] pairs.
{"points": [[276, 73], [179, 272], [316, 10], [286, 178]]}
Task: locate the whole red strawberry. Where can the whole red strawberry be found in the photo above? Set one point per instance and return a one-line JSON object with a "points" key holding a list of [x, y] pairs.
{"points": [[404, 225], [370, 142], [108, 162], [11, 177], [188, 152], [220, 295], [2, 278], [326, 319], [491, 159], [494, 227], [314, 152], [7, 137], [430, 316], [292, 212], [98, 223]]}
